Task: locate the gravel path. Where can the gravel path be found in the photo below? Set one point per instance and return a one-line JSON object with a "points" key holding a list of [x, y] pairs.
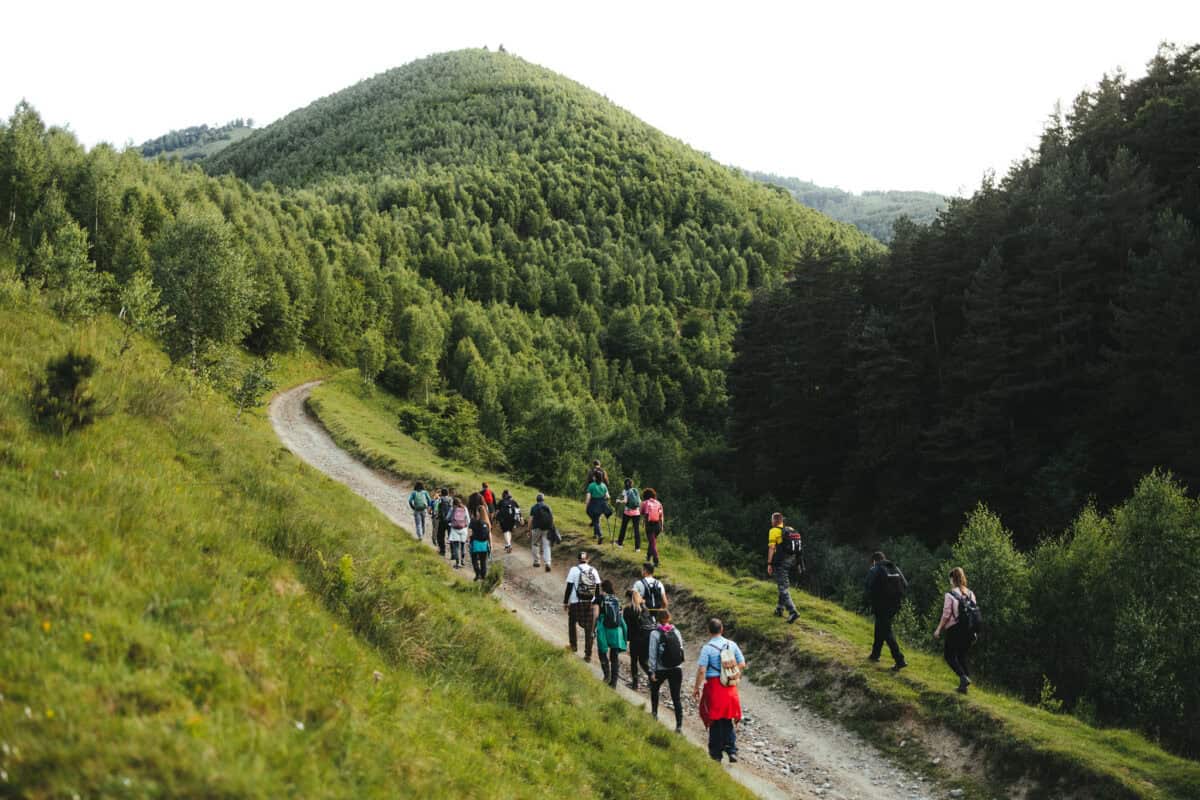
{"points": [[785, 750]]}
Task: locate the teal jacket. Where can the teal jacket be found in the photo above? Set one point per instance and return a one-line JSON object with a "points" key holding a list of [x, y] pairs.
{"points": [[616, 638]]}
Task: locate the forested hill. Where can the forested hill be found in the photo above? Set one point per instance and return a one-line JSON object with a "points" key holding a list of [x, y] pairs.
{"points": [[872, 212], [198, 141]]}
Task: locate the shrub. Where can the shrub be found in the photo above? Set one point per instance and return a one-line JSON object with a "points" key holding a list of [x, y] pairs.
{"points": [[62, 399]]}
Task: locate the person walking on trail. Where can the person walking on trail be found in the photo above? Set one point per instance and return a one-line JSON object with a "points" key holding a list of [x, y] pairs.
{"points": [[597, 498], [442, 507], [591, 474], [541, 523], [489, 498], [581, 600], [474, 503], [783, 554], [886, 587], [656, 519], [460, 525], [612, 635], [508, 517], [666, 664], [481, 544], [631, 511], [719, 668], [960, 623], [637, 650], [649, 598], [419, 501]]}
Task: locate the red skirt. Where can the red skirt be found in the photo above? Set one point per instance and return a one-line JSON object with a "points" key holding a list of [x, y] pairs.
{"points": [[719, 702]]}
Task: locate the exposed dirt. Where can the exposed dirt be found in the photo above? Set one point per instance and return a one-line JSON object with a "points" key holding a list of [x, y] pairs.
{"points": [[785, 750]]}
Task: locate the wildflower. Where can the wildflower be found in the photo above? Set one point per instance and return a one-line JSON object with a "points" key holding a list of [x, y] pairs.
{"points": [[28, 712], [46, 625], [49, 713], [378, 676], [87, 636], [299, 725]]}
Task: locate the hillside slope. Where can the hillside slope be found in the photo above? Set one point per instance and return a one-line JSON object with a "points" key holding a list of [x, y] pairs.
{"points": [[188, 611]]}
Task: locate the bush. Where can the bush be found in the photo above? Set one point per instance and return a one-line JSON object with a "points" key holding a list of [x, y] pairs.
{"points": [[62, 400]]}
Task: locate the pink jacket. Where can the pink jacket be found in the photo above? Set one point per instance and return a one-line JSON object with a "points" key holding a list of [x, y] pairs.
{"points": [[950, 609]]}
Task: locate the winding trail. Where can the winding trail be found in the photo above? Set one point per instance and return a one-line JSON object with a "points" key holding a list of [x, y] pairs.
{"points": [[785, 750]]}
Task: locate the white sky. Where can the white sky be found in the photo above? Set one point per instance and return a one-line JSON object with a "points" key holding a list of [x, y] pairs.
{"points": [[861, 95]]}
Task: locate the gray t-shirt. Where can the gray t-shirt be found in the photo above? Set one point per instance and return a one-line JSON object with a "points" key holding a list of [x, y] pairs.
{"points": [[655, 638]]}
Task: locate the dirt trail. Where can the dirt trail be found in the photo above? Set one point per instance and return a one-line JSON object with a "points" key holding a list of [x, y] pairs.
{"points": [[785, 751]]}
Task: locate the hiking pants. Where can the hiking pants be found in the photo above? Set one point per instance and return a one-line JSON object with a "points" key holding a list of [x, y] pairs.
{"points": [[539, 542], [610, 662], [783, 580], [456, 551], [637, 530], [439, 535], [883, 633], [480, 562], [653, 529], [674, 679], [419, 523], [639, 653], [956, 646], [583, 615], [595, 510], [722, 738]]}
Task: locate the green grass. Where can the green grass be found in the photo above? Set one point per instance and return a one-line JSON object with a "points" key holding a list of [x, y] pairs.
{"points": [[186, 610], [825, 649]]}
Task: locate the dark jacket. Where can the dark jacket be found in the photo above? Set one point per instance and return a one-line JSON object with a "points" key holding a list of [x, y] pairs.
{"points": [[878, 597]]}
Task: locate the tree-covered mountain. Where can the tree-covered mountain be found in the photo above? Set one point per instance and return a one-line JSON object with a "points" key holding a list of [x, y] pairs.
{"points": [[873, 212], [467, 224], [198, 141]]}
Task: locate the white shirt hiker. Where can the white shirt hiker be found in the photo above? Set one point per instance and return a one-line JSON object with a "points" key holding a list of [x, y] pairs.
{"points": [[573, 579]]}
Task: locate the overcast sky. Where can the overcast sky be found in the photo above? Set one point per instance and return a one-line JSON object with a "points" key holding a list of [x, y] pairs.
{"points": [[861, 95]]}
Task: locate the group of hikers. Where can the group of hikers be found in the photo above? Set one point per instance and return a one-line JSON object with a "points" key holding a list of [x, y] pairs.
{"points": [[643, 627]]}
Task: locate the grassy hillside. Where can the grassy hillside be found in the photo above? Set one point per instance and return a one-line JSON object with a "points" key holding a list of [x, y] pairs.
{"points": [[914, 716], [197, 142], [188, 611], [872, 212]]}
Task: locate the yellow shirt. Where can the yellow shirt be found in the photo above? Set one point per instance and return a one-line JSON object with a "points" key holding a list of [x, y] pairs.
{"points": [[775, 536]]}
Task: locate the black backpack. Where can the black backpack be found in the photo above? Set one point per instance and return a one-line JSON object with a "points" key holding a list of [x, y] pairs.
{"points": [[969, 615], [541, 518], [791, 545], [610, 611], [670, 651], [653, 598], [507, 513], [891, 586]]}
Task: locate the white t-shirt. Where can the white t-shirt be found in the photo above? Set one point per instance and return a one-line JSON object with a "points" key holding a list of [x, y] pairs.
{"points": [[643, 586], [573, 579]]}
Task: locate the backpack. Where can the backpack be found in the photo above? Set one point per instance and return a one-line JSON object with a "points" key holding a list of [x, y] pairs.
{"points": [[610, 611], [459, 518], [891, 587], [670, 650], [541, 517], [729, 668], [585, 589], [792, 543], [447, 509], [506, 514], [633, 501], [654, 512], [653, 598], [969, 615], [419, 501], [481, 533]]}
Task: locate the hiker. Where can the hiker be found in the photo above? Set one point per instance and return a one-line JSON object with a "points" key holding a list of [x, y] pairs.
{"points": [[649, 598], [656, 519], [666, 664], [474, 503], [541, 523], [591, 474], [633, 627], [419, 501], [481, 544], [783, 553], [720, 666], [886, 586], [508, 516], [597, 498], [442, 507], [958, 606], [489, 498], [580, 601], [612, 635], [631, 511], [460, 524]]}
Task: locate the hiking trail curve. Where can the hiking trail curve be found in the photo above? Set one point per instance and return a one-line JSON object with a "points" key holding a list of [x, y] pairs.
{"points": [[785, 751]]}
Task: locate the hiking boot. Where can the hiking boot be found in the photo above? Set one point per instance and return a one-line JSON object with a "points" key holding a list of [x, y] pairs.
{"points": [[794, 616], [778, 612], [679, 729], [732, 758], [536, 565], [547, 568], [899, 666], [962, 685], [873, 659]]}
